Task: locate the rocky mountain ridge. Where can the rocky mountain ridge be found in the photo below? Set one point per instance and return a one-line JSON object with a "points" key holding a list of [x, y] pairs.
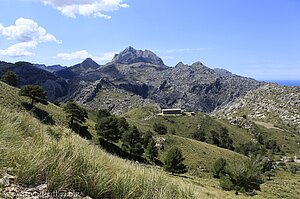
{"points": [[143, 74], [131, 55], [278, 106]]}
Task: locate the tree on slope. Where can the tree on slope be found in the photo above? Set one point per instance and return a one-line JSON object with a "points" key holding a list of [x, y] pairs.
{"points": [[76, 116], [10, 78], [108, 128], [151, 150], [35, 92], [132, 142], [173, 161]]}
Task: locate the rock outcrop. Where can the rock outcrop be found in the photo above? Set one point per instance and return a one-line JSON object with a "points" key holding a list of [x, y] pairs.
{"points": [[277, 105], [131, 55]]}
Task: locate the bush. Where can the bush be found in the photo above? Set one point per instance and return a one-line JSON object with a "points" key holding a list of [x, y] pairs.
{"points": [[218, 169], [226, 183], [242, 176], [160, 128]]}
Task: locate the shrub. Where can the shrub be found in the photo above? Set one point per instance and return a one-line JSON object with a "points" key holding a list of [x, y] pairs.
{"points": [[160, 128], [242, 176], [218, 169]]}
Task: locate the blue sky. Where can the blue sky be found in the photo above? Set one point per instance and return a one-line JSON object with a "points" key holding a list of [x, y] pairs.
{"points": [[254, 38]]}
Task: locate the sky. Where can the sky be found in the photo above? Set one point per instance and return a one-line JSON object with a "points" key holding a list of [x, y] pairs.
{"points": [[253, 38]]}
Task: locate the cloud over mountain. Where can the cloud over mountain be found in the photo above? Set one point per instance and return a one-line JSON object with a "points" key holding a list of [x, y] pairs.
{"points": [[95, 8], [28, 34], [83, 54]]}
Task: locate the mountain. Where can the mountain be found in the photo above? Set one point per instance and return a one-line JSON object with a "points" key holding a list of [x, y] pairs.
{"points": [[223, 72], [143, 74], [52, 68], [131, 55], [29, 74], [274, 106]]}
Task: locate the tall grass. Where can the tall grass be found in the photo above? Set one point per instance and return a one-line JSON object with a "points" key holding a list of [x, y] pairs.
{"points": [[31, 152]]}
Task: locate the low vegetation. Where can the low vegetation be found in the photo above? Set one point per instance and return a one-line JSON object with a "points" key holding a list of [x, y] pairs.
{"points": [[35, 156], [37, 152]]}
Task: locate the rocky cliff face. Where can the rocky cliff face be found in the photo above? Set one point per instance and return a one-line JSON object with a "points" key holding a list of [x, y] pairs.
{"points": [[273, 104], [143, 74], [131, 55]]}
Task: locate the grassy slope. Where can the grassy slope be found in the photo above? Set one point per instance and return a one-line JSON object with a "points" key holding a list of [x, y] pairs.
{"points": [[185, 126], [28, 147], [10, 99], [32, 152], [199, 156]]}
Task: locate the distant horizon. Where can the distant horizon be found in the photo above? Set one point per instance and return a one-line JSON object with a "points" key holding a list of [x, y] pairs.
{"points": [[281, 82], [284, 82]]}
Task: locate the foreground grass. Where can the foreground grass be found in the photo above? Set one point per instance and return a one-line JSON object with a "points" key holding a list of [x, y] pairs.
{"points": [[37, 153]]}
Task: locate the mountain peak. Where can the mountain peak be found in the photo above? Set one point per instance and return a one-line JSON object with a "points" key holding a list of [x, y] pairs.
{"points": [[131, 55], [89, 63]]}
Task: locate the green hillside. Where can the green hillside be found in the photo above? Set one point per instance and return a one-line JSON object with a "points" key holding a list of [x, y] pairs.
{"points": [[185, 125], [37, 152], [199, 156]]}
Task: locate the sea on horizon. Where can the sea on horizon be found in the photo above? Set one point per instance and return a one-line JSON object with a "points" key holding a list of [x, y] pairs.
{"points": [[285, 82]]}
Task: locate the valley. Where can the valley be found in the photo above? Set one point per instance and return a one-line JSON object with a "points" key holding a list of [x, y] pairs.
{"points": [[225, 116]]}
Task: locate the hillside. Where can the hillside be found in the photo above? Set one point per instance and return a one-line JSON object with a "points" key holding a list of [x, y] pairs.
{"points": [[38, 153], [185, 125], [274, 108]]}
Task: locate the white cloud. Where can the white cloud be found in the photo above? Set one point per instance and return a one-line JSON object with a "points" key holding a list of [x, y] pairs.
{"points": [[28, 35], [95, 8], [26, 30], [19, 49], [74, 55], [83, 54]]}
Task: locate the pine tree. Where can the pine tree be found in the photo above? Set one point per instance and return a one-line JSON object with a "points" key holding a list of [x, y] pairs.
{"points": [[132, 142], [173, 161], [147, 138], [151, 150], [243, 176], [76, 116], [107, 127], [225, 140], [35, 92], [123, 125], [10, 78]]}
